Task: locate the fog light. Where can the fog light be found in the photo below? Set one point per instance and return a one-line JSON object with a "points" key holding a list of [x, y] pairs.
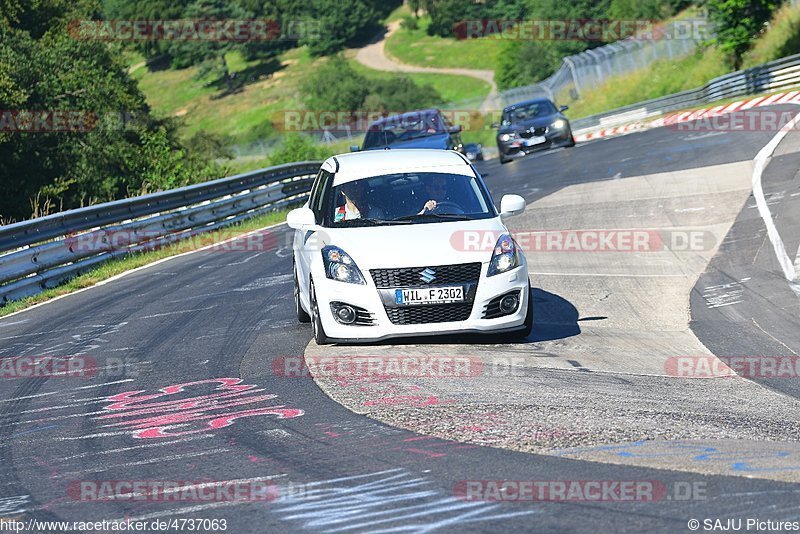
{"points": [[345, 314], [509, 303]]}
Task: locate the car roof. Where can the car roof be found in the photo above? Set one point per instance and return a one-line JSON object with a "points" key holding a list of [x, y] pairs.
{"points": [[358, 165], [527, 102]]}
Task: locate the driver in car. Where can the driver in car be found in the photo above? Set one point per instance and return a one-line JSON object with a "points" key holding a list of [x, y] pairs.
{"points": [[437, 192]]}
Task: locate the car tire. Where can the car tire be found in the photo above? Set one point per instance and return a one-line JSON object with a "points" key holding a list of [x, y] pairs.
{"points": [[528, 324], [302, 315], [571, 142], [316, 323], [503, 159]]}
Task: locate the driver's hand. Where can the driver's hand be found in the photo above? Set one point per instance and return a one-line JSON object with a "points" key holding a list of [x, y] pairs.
{"points": [[429, 206]]}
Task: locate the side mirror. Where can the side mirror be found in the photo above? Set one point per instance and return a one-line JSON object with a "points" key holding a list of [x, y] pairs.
{"points": [[563, 108], [495, 125], [301, 219], [511, 205], [354, 148], [455, 129]]}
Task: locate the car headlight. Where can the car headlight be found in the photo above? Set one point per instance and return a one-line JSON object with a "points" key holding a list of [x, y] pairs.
{"points": [[559, 123], [505, 256], [507, 136], [340, 266]]}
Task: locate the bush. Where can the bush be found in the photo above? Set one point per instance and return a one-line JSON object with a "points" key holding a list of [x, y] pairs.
{"points": [[298, 147], [353, 92], [400, 93], [335, 86], [409, 22]]}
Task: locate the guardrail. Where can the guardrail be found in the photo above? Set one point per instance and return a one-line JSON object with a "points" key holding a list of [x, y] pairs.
{"points": [[773, 76], [41, 253]]}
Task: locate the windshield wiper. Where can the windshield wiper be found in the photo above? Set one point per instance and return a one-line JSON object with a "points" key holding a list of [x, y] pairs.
{"points": [[445, 216], [359, 222]]}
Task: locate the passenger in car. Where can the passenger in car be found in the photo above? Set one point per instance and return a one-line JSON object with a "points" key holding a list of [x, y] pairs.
{"points": [[356, 205]]}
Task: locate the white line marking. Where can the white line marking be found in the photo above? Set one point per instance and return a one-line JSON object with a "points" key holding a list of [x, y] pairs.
{"points": [[135, 447], [15, 322], [98, 435], [244, 260], [788, 267], [613, 275], [31, 396], [174, 313], [106, 384], [188, 510], [148, 461]]}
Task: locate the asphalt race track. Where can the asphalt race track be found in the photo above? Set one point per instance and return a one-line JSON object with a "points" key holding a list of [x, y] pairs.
{"points": [[589, 396]]}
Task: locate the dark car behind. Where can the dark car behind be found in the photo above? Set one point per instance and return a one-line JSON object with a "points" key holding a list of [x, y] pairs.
{"points": [[474, 151], [427, 128], [530, 126]]}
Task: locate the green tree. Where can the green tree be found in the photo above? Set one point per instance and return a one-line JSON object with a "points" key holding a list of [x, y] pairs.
{"points": [[340, 23], [335, 86], [737, 23], [101, 159], [209, 54]]}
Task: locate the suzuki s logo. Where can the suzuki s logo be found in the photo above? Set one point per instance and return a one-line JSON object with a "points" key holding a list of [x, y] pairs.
{"points": [[428, 275]]}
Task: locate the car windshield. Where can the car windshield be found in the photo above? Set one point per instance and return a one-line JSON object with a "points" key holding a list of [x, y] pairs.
{"points": [[403, 128], [529, 111], [407, 198]]}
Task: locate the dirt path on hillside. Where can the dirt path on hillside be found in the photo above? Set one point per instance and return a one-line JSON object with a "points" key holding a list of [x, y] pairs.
{"points": [[374, 56]]}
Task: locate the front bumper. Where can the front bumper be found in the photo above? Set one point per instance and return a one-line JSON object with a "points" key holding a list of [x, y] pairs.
{"points": [[515, 148], [369, 298]]}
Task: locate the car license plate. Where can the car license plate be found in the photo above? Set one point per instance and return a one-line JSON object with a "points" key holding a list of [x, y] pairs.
{"points": [[535, 141], [429, 295]]}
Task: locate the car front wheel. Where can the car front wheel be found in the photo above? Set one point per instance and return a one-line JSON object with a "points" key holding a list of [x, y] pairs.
{"points": [[302, 315], [316, 323]]}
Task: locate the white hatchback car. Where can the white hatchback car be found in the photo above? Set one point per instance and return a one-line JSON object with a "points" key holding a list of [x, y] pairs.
{"points": [[389, 245]]}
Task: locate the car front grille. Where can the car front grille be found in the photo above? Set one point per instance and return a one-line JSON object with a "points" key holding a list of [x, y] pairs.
{"points": [[410, 276], [433, 313], [540, 131], [459, 274]]}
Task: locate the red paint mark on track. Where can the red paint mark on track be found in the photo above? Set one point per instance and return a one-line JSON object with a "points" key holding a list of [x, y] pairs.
{"points": [[162, 419]]}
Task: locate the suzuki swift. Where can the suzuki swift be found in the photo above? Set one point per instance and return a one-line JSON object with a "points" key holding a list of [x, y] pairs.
{"points": [[405, 243]]}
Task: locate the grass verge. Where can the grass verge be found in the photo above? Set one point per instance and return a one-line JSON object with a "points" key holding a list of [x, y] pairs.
{"points": [[132, 261], [661, 78], [416, 47]]}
